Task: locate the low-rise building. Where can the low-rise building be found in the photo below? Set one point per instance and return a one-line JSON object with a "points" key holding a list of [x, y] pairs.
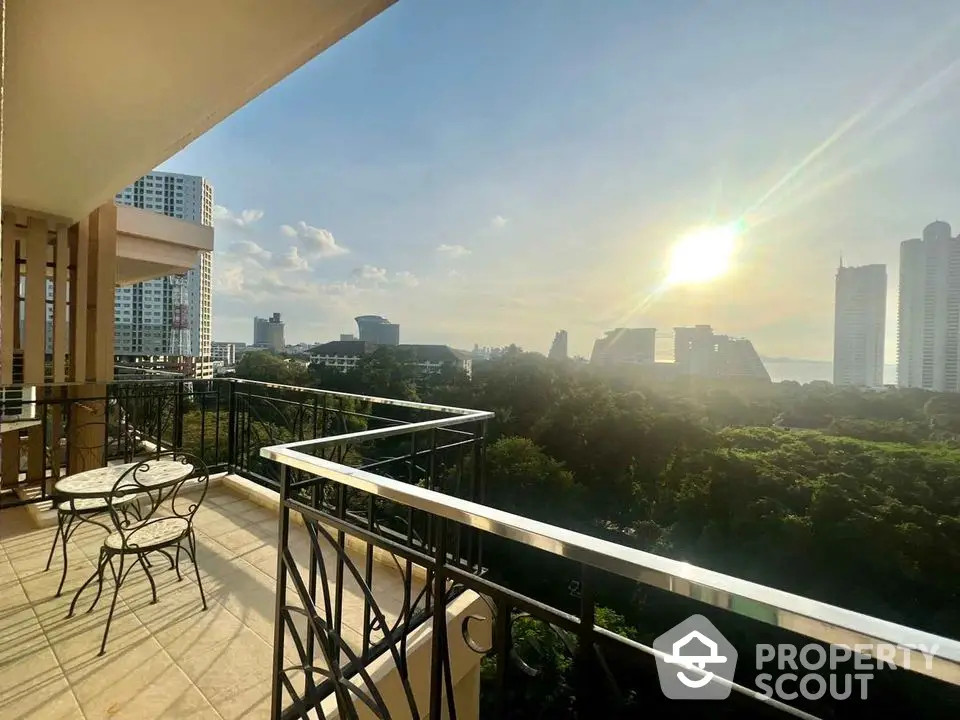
{"points": [[345, 355], [224, 354]]}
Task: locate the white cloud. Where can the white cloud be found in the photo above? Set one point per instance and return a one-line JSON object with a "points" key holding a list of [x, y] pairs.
{"points": [[498, 221], [316, 242], [244, 219], [227, 280], [249, 249], [407, 279], [292, 260], [380, 277], [270, 285], [453, 251], [369, 272]]}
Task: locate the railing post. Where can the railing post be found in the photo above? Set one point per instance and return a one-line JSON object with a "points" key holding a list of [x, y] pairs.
{"points": [[178, 420], [283, 532], [502, 647], [439, 660], [232, 426], [585, 664]]}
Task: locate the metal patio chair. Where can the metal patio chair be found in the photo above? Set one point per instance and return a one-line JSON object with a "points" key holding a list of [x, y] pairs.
{"points": [[166, 527]]}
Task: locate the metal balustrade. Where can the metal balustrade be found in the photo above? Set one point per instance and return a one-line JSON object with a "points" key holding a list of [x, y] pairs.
{"points": [[404, 482]]}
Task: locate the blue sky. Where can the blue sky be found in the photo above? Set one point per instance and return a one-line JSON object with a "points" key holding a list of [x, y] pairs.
{"points": [[492, 171]]}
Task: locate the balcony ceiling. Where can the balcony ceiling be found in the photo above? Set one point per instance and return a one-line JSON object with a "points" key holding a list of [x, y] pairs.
{"points": [[151, 245], [97, 93]]}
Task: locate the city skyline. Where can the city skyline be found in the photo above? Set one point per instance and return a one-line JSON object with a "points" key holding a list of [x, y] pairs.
{"points": [[485, 211]]}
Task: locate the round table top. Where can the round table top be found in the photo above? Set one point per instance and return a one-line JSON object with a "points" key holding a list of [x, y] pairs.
{"points": [[100, 481]]}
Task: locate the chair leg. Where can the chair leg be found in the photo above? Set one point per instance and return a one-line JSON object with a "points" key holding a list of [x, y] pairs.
{"points": [[101, 566], [118, 579], [56, 539], [65, 534], [99, 573], [153, 585], [192, 539], [176, 564]]}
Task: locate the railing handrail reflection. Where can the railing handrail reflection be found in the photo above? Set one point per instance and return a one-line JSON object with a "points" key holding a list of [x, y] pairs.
{"points": [[918, 651]]}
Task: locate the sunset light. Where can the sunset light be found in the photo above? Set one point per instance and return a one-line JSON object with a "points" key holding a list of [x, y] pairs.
{"points": [[703, 255]]}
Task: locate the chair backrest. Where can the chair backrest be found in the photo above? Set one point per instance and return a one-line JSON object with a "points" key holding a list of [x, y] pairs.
{"points": [[173, 484]]}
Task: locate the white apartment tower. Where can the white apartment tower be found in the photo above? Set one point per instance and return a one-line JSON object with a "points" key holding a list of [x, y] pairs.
{"points": [[859, 320], [149, 320], [928, 333]]}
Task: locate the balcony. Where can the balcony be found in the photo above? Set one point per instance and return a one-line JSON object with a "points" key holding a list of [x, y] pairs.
{"points": [[365, 516]]}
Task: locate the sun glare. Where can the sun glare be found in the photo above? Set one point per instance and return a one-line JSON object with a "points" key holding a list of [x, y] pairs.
{"points": [[701, 256]]}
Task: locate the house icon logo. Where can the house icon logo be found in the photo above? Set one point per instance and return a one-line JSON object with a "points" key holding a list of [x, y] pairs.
{"points": [[694, 655]]}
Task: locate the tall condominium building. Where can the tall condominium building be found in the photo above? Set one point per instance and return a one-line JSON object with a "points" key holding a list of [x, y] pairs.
{"points": [[860, 311], [625, 345], [558, 350], [928, 332], [378, 330], [268, 333], [698, 351], [169, 316]]}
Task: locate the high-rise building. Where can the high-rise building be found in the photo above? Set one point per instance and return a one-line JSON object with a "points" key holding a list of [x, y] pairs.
{"points": [[169, 316], [698, 351], [558, 350], [859, 319], [377, 330], [928, 318], [625, 345], [268, 333]]}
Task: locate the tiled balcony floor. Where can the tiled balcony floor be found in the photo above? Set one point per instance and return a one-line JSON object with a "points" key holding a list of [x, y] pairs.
{"points": [[163, 660]]}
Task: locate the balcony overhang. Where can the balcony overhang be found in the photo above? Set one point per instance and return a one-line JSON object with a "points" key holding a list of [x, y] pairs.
{"points": [[151, 245], [117, 87]]}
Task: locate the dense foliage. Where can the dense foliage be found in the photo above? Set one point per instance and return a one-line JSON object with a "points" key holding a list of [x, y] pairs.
{"points": [[846, 496]]}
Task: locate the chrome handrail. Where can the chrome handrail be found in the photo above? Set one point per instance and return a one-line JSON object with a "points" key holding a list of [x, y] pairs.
{"points": [[916, 650], [413, 404]]}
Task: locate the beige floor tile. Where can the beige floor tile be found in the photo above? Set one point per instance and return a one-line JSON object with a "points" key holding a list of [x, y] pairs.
{"points": [[144, 683], [254, 514], [48, 699], [26, 666], [7, 573], [168, 659], [21, 637], [191, 705], [244, 539], [190, 635], [76, 642], [236, 686], [12, 597], [213, 523]]}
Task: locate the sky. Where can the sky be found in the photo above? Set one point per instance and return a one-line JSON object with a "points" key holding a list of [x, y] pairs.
{"points": [[490, 171]]}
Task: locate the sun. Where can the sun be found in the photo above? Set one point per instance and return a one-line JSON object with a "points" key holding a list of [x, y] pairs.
{"points": [[702, 256]]}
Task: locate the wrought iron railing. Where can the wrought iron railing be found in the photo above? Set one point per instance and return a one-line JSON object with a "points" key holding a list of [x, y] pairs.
{"points": [[554, 654], [68, 427], [225, 421]]}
